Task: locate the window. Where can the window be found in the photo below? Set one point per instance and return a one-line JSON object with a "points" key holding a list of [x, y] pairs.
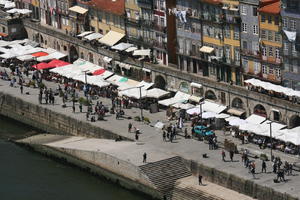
{"points": [[264, 69], [264, 51], [271, 70], [277, 37], [254, 11], [284, 23], [244, 27], [256, 67], [292, 25], [270, 19], [277, 53], [255, 29], [271, 51], [285, 46], [270, 35], [236, 34], [263, 34], [278, 72], [245, 46], [3, 29], [107, 17], [244, 10], [237, 54], [263, 18], [276, 20], [245, 63], [227, 32]]}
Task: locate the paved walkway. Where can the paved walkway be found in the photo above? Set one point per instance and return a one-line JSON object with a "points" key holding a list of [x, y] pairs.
{"points": [[187, 148]]}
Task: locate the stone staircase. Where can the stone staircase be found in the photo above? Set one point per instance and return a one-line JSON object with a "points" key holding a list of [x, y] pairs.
{"points": [[164, 173], [190, 193]]}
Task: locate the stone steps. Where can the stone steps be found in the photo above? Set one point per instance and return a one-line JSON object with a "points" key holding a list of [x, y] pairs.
{"points": [[164, 174], [189, 193]]}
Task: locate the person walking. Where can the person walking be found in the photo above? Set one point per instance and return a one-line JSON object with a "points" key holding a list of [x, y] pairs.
{"points": [[263, 167], [164, 136], [253, 169], [136, 136], [144, 157], [231, 153], [223, 155], [200, 179], [80, 107], [129, 127], [21, 88]]}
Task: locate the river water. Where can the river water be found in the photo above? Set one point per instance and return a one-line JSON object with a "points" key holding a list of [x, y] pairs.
{"points": [[30, 176]]}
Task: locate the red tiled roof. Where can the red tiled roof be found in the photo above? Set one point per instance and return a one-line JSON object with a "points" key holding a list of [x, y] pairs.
{"points": [[270, 6], [116, 7]]}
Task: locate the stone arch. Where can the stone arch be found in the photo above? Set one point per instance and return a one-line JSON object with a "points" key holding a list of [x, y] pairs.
{"points": [[160, 82], [41, 39], [73, 54], [237, 103], [294, 121], [91, 57], [57, 46], [260, 110], [209, 94]]}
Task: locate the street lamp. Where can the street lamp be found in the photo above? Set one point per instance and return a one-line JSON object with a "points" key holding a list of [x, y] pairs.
{"points": [[271, 138], [201, 102], [85, 77], [141, 108]]}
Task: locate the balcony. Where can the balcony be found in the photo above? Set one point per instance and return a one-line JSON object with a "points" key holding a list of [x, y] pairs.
{"points": [[211, 17], [234, 19], [251, 53]]}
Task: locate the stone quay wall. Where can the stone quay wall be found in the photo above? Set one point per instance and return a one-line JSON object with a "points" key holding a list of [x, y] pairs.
{"points": [[49, 121]]}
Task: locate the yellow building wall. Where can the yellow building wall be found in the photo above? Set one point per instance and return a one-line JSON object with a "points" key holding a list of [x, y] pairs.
{"points": [[212, 41], [270, 43], [251, 66], [107, 27], [267, 26]]}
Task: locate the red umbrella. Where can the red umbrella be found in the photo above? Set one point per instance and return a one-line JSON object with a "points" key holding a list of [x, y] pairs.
{"points": [[41, 66], [99, 72], [57, 63], [40, 54]]}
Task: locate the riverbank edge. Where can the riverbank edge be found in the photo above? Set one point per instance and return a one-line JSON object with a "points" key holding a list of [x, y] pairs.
{"points": [[50, 121], [93, 169]]}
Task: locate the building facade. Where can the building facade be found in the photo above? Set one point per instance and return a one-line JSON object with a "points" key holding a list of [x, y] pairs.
{"points": [[290, 14], [270, 40], [250, 51]]}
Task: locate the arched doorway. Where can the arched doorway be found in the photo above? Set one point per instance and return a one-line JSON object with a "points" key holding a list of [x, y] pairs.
{"points": [[294, 121], [41, 39], [91, 57], [73, 54], [237, 103], [260, 110], [160, 82], [57, 46], [210, 95], [37, 38]]}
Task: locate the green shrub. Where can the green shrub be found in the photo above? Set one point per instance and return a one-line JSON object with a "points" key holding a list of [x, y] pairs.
{"points": [[264, 157], [147, 120], [83, 101]]}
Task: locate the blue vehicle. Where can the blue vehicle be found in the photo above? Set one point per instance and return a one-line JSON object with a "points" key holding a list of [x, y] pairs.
{"points": [[203, 131]]}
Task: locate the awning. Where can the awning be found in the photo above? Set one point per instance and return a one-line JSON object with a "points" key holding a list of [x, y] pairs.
{"points": [[93, 36], [206, 49], [20, 11], [3, 34], [107, 59], [146, 70], [122, 46], [184, 106], [78, 9], [222, 116], [207, 106], [111, 38], [130, 49], [179, 97], [156, 93], [40, 54], [235, 112], [145, 85], [57, 63], [25, 58], [84, 33], [209, 115], [55, 55], [197, 85], [195, 98], [142, 52], [9, 4], [236, 121], [290, 35], [41, 66], [255, 119]]}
